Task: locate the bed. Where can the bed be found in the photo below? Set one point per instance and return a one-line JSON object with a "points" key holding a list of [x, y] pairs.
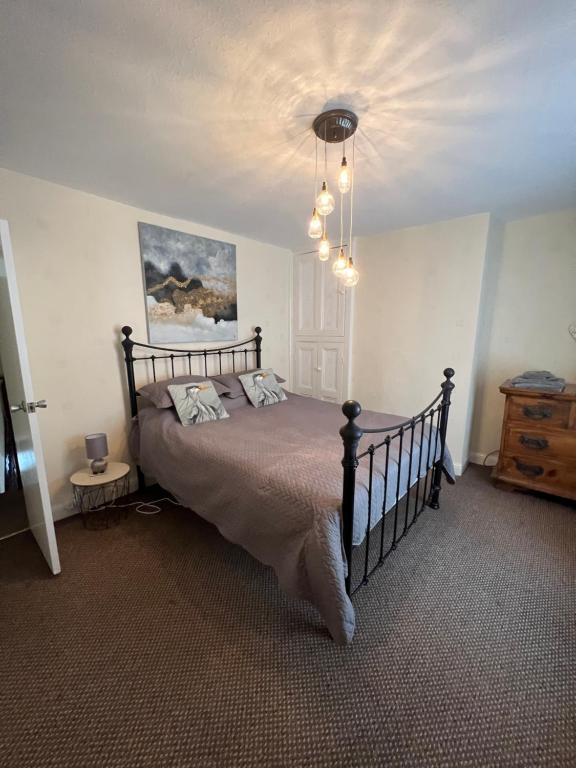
{"points": [[321, 503]]}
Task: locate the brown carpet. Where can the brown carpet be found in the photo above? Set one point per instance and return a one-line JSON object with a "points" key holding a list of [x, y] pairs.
{"points": [[163, 645]]}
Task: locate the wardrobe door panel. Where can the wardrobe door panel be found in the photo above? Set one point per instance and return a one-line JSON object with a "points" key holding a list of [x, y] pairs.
{"points": [[305, 367], [306, 308], [331, 302], [330, 365]]}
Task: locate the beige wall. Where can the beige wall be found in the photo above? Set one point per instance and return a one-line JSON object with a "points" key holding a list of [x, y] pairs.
{"points": [[80, 280], [416, 311], [533, 305], [488, 300]]}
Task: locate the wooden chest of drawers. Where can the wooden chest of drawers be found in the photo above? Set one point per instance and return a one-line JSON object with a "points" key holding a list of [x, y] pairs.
{"points": [[538, 446]]}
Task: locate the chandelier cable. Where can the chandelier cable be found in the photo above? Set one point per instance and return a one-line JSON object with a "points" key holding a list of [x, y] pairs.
{"points": [[316, 171], [352, 175], [341, 219], [325, 155]]}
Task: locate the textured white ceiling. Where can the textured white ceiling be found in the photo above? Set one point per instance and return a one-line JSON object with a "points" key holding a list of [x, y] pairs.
{"points": [[203, 109]]}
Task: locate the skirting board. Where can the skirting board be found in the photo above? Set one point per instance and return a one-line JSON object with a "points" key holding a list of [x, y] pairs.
{"points": [[66, 508], [60, 511], [480, 458]]}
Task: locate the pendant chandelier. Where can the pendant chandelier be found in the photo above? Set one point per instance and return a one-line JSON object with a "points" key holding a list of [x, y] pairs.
{"points": [[335, 126]]}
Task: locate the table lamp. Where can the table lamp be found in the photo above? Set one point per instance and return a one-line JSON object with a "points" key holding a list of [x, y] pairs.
{"points": [[96, 450]]}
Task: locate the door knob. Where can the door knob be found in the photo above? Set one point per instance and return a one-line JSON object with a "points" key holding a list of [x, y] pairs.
{"points": [[29, 407]]}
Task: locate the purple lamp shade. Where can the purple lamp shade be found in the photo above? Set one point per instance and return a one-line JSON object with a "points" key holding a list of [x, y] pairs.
{"points": [[96, 445]]}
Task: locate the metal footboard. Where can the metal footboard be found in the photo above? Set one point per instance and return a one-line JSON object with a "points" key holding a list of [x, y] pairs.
{"points": [[429, 426]]}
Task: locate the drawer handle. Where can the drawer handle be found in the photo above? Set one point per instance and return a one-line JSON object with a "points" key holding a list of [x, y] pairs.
{"points": [[530, 470], [537, 412], [534, 442]]}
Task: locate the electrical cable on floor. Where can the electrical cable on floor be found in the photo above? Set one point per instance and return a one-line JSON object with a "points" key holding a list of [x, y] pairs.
{"points": [[497, 450], [144, 507]]}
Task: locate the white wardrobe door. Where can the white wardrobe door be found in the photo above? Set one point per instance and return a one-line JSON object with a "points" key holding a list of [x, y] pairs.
{"points": [[306, 309], [331, 301], [305, 365], [319, 298], [330, 364]]}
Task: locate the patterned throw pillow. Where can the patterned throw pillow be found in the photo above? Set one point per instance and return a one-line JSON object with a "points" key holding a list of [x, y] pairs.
{"points": [[197, 402], [262, 388]]}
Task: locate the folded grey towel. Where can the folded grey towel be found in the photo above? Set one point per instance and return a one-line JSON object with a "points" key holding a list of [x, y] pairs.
{"points": [[540, 375], [539, 380]]}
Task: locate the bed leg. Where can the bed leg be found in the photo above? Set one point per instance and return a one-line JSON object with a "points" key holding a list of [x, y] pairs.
{"points": [[447, 387], [434, 497]]}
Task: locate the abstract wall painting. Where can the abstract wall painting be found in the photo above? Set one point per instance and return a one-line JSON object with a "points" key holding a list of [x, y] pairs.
{"points": [[190, 285]]}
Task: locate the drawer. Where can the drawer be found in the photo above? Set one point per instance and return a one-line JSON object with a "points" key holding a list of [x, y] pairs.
{"points": [[539, 472], [532, 442], [534, 410]]}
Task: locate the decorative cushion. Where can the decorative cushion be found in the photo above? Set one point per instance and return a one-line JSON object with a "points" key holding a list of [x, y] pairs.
{"points": [[262, 387], [157, 391], [232, 382], [197, 402]]}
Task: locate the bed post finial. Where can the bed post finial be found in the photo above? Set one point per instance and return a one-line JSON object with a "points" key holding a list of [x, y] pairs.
{"points": [[350, 434], [447, 386], [258, 342]]}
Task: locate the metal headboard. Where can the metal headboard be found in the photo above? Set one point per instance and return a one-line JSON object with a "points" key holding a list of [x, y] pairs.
{"points": [[219, 356]]}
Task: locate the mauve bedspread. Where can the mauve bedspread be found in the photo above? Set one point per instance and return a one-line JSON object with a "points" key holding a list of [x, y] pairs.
{"points": [[270, 479]]}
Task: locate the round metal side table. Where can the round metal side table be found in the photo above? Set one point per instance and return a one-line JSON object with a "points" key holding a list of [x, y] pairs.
{"points": [[94, 495]]}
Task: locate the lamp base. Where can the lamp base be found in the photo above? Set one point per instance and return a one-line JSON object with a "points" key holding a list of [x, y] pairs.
{"points": [[98, 466]]}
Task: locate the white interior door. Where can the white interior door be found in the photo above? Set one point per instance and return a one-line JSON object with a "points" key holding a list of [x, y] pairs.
{"points": [[331, 301], [16, 369], [305, 284], [330, 368], [305, 367]]}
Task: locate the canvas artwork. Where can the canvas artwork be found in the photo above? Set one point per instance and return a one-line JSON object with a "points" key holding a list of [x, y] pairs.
{"points": [[190, 285]]}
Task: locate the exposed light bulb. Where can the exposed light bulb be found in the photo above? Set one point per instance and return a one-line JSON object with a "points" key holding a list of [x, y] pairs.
{"points": [[349, 275], [340, 263], [315, 226], [324, 250], [344, 179], [325, 201]]}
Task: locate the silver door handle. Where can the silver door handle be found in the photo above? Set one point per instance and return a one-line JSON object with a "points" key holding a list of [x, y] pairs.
{"points": [[29, 407]]}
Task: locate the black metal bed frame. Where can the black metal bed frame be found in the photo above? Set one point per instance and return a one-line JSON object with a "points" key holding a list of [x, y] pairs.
{"points": [[351, 434]]}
